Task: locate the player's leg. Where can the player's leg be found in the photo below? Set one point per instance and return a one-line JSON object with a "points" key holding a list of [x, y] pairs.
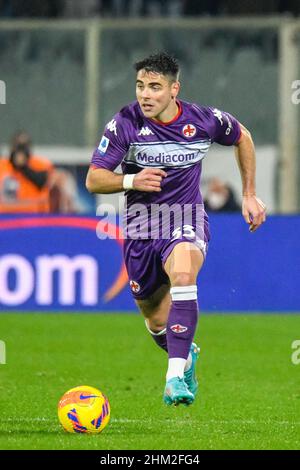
{"points": [[182, 266], [156, 309], [150, 286]]}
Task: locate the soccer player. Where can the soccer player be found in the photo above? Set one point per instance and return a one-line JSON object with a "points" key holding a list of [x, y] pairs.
{"points": [[160, 142]]}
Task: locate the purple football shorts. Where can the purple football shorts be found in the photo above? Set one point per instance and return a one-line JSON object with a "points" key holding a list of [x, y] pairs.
{"points": [[145, 258]]}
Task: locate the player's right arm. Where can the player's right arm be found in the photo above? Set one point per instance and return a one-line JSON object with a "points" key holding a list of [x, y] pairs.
{"points": [[102, 179]]}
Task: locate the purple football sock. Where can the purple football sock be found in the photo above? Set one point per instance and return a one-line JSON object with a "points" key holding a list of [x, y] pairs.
{"points": [[160, 338], [181, 327], [161, 341]]}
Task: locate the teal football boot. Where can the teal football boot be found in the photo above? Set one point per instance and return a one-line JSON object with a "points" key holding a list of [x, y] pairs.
{"points": [[176, 392], [190, 375]]}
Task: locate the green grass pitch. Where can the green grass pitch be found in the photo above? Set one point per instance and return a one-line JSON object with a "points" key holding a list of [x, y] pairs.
{"points": [[249, 388]]}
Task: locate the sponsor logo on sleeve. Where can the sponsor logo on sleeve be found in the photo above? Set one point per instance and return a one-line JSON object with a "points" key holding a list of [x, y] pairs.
{"points": [[103, 145]]}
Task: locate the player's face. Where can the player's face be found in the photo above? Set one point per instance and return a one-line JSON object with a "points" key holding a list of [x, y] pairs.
{"points": [[156, 95]]}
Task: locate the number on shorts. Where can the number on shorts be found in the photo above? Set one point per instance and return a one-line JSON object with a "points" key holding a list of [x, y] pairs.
{"points": [[188, 232]]}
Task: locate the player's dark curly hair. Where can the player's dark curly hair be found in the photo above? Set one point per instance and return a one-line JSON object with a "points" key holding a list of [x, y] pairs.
{"points": [[162, 62]]}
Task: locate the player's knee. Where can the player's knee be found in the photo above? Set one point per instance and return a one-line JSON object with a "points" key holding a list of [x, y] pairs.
{"points": [[182, 279], [155, 315], [156, 323]]}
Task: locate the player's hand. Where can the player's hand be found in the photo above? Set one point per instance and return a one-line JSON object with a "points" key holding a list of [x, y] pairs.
{"points": [[149, 180], [254, 212]]}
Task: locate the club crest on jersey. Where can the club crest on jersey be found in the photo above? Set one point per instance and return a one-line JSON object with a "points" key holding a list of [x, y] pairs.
{"points": [[135, 287], [179, 328], [103, 145], [189, 130]]}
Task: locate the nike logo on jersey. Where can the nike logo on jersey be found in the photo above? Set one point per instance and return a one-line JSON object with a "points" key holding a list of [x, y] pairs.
{"points": [[145, 131]]}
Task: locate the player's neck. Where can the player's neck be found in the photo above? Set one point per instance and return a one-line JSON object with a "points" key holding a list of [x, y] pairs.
{"points": [[169, 114]]}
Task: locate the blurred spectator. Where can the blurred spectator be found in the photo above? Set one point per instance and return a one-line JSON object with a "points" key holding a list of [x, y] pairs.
{"points": [[21, 138], [29, 183], [24, 181], [220, 197]]}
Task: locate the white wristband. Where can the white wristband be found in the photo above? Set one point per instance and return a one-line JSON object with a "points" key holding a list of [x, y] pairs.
{"points": [[128, 181]]}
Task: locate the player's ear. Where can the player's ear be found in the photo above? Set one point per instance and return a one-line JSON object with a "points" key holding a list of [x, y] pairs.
{"points": [[175, 89]]}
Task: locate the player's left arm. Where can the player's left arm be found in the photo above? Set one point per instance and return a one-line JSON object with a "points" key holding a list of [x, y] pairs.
{"points": [[253, 209]]}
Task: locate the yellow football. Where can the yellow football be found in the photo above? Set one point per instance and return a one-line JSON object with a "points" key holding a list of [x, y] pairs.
{"points": [[84, 409]]}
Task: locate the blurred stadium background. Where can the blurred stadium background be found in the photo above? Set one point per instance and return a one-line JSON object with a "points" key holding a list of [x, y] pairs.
{"points": [[69, 69], [65, 70]]}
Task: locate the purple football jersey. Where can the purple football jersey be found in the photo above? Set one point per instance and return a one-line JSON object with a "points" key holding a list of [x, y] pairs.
{"points": [[178, 147]]}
